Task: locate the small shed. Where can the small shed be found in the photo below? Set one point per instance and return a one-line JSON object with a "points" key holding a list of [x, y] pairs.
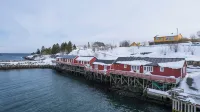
{"points": [[85, 60], [169, 67], [102, 64]]}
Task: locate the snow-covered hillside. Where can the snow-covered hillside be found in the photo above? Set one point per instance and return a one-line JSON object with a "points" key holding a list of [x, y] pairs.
{"points": [[165, 51]]}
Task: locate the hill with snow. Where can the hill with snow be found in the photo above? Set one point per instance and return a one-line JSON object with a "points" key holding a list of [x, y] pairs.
{"points": [[165, 51]]}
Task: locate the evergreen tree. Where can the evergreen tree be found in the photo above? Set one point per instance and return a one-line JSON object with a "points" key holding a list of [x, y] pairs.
{"points": [[53, 51], [57, 48], [62, 47], [66, 47], [69, 46], [74, 47], [48, 50], [38, 51], [42, 50]]}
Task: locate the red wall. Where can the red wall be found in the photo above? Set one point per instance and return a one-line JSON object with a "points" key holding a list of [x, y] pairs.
{"points": [[156, 70], [121, 67], [92, 61], [100, 67], [74, 60], [167, 72]]}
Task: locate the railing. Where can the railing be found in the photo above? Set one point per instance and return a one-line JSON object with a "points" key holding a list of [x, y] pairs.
{"points": [[105, 72], [144, 76]]}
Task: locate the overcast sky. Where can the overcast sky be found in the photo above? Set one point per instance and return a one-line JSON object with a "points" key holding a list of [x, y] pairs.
{"points": [[26, 25]]}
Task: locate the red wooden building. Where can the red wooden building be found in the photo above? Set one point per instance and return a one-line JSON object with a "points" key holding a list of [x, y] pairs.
{"points": [[102, 64], [71, 59], [85, 60], [168, 67]]}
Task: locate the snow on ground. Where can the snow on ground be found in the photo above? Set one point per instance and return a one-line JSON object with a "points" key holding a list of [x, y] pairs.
{"points": [[191, 85], [185, 50]]}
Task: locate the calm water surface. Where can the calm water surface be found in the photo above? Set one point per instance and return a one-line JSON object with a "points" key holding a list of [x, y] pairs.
{"points": [[44, 90], [12, 56]]}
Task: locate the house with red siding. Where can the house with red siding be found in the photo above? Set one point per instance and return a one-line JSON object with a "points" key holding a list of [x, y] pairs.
{"points": [[102, 64], [71, 59], [85, 60], [167, 67]]}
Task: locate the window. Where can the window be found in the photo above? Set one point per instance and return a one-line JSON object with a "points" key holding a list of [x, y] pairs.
{"points": [[148, 68], [135, 68], [125, 66], [184, 70], [162, 69]]}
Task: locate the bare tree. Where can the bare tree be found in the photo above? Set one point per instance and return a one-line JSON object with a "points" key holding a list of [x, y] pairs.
{"points": [[104, 54], [191, 49], [174, 47], [125, 43], [193, 38], [93, 49], [163, 50], [84, 47], [198, 34], [96, 55]]}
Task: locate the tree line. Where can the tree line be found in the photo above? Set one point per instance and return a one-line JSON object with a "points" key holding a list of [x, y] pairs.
{"points": [[57, 48]]}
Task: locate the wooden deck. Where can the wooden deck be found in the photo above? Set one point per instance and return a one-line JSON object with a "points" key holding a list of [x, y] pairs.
{"points": [[156, 78]]}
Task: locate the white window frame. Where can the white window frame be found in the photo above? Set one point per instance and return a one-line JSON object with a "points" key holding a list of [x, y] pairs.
{"points": [[105, 67], [162, 69], [135, 68], [125, 66], [148, 68]]}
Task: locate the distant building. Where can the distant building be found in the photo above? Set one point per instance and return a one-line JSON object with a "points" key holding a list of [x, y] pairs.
{"points": [[135, 44], [167, 39]]}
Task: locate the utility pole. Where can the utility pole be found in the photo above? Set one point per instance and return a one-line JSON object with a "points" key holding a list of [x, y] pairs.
{"points": [[177, 30]]}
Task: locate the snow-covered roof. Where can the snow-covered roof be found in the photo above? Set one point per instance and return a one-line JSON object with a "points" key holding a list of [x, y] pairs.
{"points": [[84, 58], [103, 62], [174, 65], [165, 35], [136, 62], [164, 62], [100, 63], [67, 56]]}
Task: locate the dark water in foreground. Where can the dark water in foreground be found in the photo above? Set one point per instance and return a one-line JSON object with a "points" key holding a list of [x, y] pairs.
{"points": [[44, 90]]}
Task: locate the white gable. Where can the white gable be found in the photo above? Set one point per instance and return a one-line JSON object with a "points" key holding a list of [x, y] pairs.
{"points": [[136, 62]]}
